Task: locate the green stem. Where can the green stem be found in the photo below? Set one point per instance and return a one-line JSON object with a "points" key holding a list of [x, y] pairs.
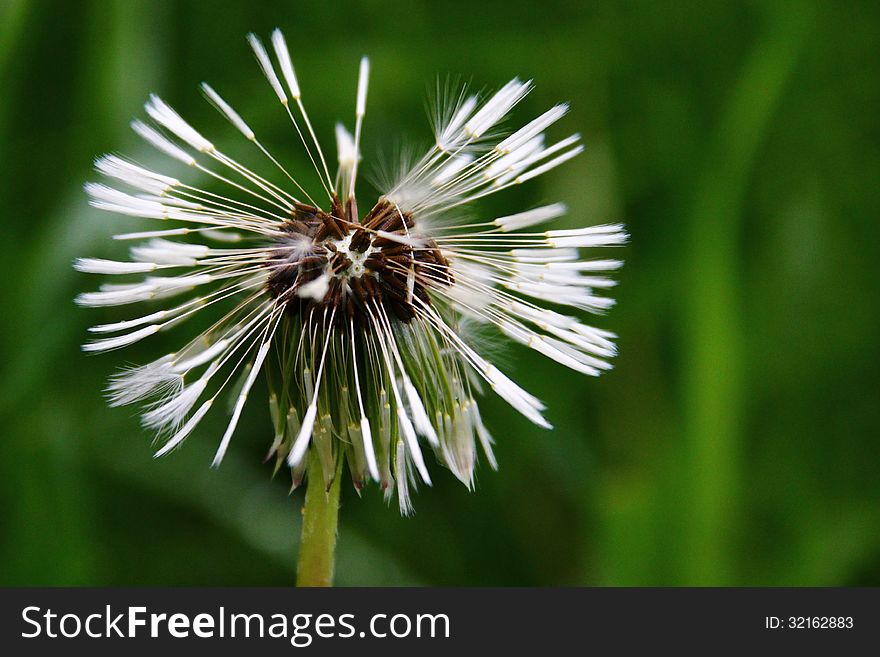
{"points": [[317, 546]]}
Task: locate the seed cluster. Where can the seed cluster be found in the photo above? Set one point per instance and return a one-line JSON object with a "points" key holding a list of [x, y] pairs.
{"points": [[362, 267]]}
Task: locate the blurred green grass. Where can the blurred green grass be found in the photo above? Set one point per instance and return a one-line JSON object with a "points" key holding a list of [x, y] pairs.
{"points": [[734, 443]]}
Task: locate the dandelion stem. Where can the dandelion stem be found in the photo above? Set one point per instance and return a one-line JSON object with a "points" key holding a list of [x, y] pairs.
{"points": [[317, 548]]}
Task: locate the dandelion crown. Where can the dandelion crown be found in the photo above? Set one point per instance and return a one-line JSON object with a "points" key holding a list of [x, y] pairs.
{"points": [[356, 317]]}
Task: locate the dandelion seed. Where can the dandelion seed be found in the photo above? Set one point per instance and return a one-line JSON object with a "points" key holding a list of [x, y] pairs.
{"points": [[361, 315]]}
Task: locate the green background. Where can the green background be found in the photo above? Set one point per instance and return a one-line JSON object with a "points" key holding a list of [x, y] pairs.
{"points": [[735, 442]]}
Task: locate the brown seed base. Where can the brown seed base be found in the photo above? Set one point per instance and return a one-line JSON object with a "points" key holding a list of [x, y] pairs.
{"points": [[387, 269]]}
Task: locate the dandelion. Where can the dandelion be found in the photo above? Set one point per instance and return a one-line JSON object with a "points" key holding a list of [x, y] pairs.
{"points": [[359, 319]]}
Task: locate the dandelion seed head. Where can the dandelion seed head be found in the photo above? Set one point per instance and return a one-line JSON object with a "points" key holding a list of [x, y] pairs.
{"points": [[356, 263], [374, 320]]}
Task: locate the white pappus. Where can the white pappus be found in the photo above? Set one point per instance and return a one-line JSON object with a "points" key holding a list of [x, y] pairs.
{"points": [[356, 315]]}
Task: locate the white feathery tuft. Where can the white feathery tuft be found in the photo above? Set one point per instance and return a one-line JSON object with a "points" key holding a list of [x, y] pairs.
{"points": [[106, 198], [226, 110], [316, 289], [169, 414], [514, 395], [303, 437], [205, 356], [452, 168], [116, 296], [112, 267], [345, 148], [106, 344], [593, 236], [452, 135], [283, 55], [266, 64], [497, 107], [130, 323], [242, 399], [530, 217], [162, 114], [552, 164], [485, 438], [420, 416], [162, 143], [533, 128], [363, 83], [167, 252], [412, 442], [535, 157], [184, 431], [139, 383], [369, 450], [134, 175]]}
